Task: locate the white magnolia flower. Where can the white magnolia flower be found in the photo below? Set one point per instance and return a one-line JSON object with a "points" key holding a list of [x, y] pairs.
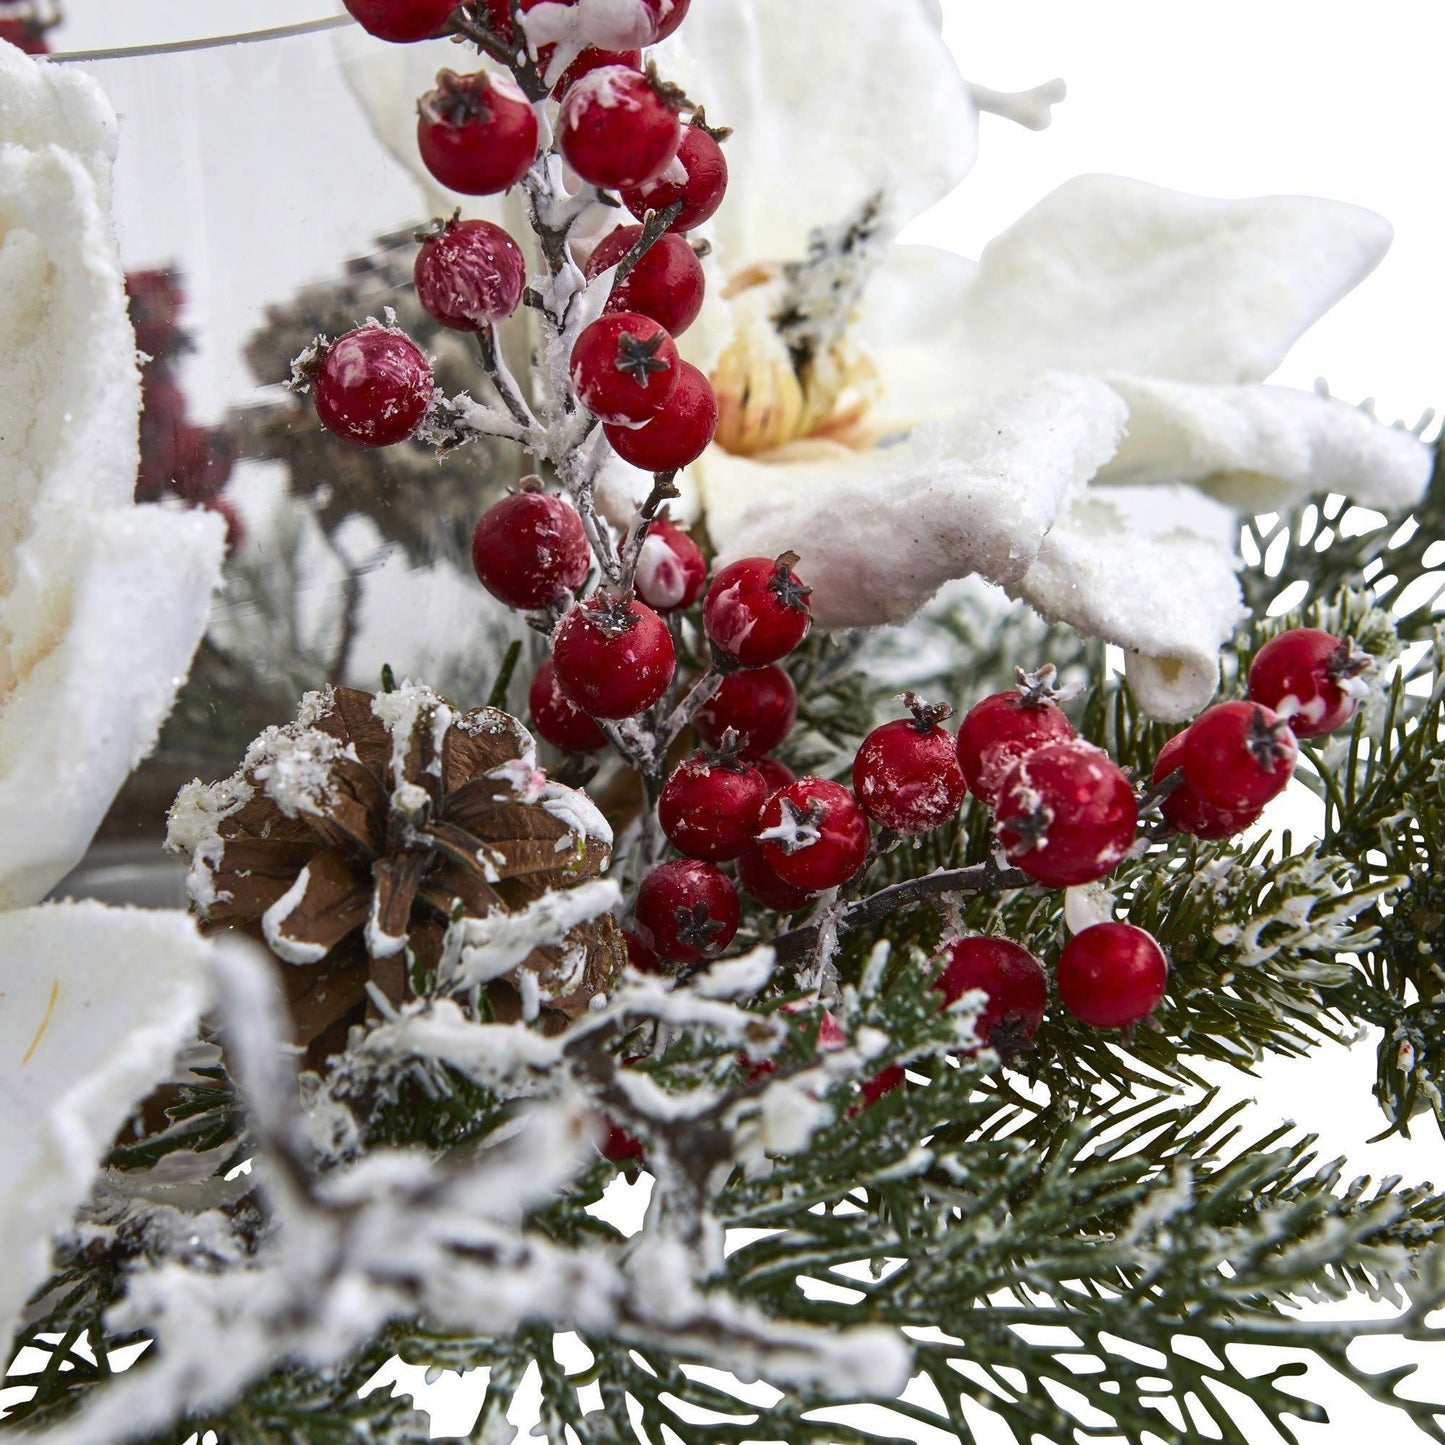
{"points": [[102, 604]]}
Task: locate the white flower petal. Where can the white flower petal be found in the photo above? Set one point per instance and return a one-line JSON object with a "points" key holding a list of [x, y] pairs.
{"points": [[830, 101], [1107, 274], [880, 531], [102, 603], [81, 1042], [1153, 570], [1259, 446]]}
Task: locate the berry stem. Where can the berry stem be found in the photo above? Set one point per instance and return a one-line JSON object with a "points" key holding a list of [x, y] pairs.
{"points": [[501, 377], [664, 489], [1161, 790], [654, 227]]}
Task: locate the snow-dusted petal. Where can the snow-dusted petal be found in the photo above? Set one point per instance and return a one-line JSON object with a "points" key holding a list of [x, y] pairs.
{"points": [[102, 602], [830, 101], [1259, 446], [1112, 275], [82, 1040], [1151, 569], [879, 531]]}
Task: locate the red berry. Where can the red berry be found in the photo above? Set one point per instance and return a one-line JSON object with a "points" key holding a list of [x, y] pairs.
{"points": [[700, 183], [530, 551], [621, 1147], [615, 130], [624, 368], [776, 774], [25, 33], [1066, 814], [477, 133], [1238, 755], [201, 462], [1112, 975], [814, 835], [1014, 980], [710, 808], [881, 1083], [666, 284], [557, 719], [1184, 810], [687, 911], [639, 955], [667, 14], [589, 60], [759, 704], [671, 570], [225, 509], [907, 774], [1310, 678], [470, 274], [614, 659], [757, 611], [373, 387], [759, 880], [499, 15], [402, 21], [680, 433], [999, 731], [156, 301]]}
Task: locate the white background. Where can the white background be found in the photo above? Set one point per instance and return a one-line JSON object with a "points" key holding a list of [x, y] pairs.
{"points": [[1227, 99]]}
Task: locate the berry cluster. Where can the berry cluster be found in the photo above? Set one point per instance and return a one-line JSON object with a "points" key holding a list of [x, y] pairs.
{"points": [[177, 457]]}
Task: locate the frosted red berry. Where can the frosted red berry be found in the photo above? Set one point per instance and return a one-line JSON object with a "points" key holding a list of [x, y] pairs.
{"points": [[671, 570], [530, 551], [615, 130], [1014, 980], [777, 774], [477, 134], [757, 610], [639, 955], [614, 659], [1066, 814], [666, 283], [373, 386], [1238, 755], [469, 275], [156, 301], [1310, 678], [667, 15], [698, 178], [1184, 810], [624, 367], [711, 806], [679, 434], [592, 58], [1112, 975], [620, 1147], [759, 704], [557, 719], [906, 773], [402, 21], [759, 879], [25, 33], [814, 834], [1000, 730], [687, 911]]}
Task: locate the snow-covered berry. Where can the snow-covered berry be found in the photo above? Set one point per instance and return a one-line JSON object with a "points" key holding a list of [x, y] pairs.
{"points": [[1066, 814], [698, 177], [671, 572], [614, 658], [373, 386], [666, 283], [1003, 728], [477, 134], [759, 879], [687, 912], [759, 704], [1014, 980], [557, 719], [1184, 810], [402, 21], [1112, 975], [469, 274], [1311, 678], [530, 550], [906, 772], [616, 129], [814, 834], [1238, 755], [592, 58], [756, 610], [624, 367], [711, 806], [667, 15], [679, 434]]}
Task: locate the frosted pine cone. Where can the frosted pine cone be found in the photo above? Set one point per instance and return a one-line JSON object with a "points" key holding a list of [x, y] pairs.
{"points": [[350, 838]]}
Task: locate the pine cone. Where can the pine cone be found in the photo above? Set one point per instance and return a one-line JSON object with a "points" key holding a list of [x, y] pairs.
{"points": [[349, 838]]}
